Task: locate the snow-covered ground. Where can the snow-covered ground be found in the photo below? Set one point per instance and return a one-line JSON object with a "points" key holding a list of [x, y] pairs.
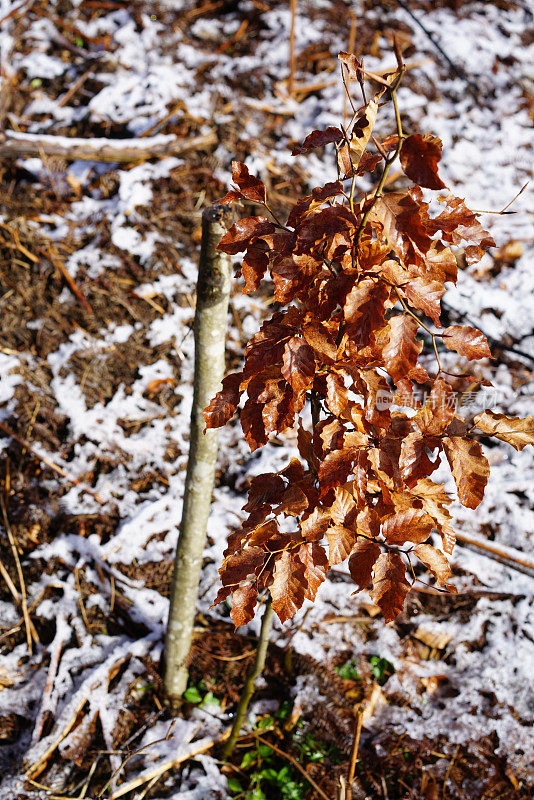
{"points": [[160, 57]]}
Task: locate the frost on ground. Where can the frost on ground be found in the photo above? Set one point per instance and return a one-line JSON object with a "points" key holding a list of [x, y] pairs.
{"points": [[105, 393]]}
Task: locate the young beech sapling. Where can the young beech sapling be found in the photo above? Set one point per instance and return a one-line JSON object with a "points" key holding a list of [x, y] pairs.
{"points": [[360, 277]]}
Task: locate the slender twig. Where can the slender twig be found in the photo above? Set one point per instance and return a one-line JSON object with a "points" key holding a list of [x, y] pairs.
{"points": [[355, 746], [513, 199], [255, 672], [55, 656], [515, 561], [273, 215], [10, 585], [347, 93], [451, 765], [132, 755], [291, 81], [49, 463], [201, 746], [352, 42], [473, 88], [389, 161], [31, 633], [422, 324]]}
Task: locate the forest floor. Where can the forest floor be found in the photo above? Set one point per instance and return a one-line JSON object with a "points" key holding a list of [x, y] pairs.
{"points": [[97, 273]]}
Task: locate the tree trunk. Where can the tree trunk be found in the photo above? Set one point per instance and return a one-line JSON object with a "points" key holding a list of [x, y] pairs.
{"points": [[213, 291]]}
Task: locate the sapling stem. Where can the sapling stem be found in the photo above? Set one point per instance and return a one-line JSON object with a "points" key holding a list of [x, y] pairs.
{"points": [[213, 292], [255, 672]]}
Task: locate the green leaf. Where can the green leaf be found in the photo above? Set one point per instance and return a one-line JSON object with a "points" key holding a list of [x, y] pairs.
{"points": [[381, 668], [192, 695], [284, 774], [234, 785], [255, 794], [210, 700], [348, 671], [264, 750], [265, 722], [248, 759], [292, 791], [285, 710], [270, 775]]}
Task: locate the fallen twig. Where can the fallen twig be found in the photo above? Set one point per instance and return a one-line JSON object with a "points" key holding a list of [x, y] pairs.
{"points": [[55, 656], [198, 747], [473, 88], [10, 585], [14, 144], [49, 462], [40, 765], [56, 261], [291, 80], [31, 633], [510, 558]]}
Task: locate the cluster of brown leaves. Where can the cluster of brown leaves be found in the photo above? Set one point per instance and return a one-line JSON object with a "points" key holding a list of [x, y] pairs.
{"points": [[357, 277]]}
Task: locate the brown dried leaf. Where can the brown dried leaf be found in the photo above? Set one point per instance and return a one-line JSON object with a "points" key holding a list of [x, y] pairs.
{"points": [[288, 586], [435, 561], [414, 462], [458, 224], [469, 467], [336, 393], [253, 425], [344, 509], [402, 349], [434, 417], [315, 561], [319, 337], [411, 525], [318, 139], [419, 157], [335, 468], [341, 540], [514, 430], [368, 523], [298, 364], [236, 568], [314, 526], [293, 503], [244, 600], [249, 186], [466, 341], [390, 586], [361, 131], [224, 404], [435, 500], [265, 488], [362, 559], [242, 232]]}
